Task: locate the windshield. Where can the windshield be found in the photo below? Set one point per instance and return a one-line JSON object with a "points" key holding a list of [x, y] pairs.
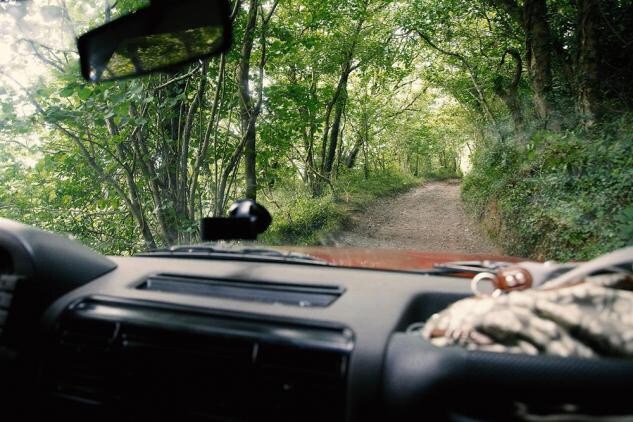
{"points": [[488, 127]]}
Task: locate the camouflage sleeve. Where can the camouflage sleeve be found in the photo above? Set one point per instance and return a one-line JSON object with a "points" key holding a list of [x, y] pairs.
{"points": [[587, 319]]}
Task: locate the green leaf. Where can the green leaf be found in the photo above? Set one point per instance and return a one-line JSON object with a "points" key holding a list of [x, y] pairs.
{"points": [[123, 109], [67, 91], [85, 93]]}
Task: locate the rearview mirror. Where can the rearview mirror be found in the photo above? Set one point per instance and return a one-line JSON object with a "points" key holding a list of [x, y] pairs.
{"points": [[165, 35]]}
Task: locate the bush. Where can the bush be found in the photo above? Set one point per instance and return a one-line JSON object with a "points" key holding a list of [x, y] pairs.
{"points": [[303, 221], [442, 174], [300, 219], [559, 195]]}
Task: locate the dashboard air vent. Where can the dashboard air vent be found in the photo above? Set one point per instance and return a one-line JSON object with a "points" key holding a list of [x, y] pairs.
{"points": [[136, 362], [6, 262], [7, 285], [280, 293]]}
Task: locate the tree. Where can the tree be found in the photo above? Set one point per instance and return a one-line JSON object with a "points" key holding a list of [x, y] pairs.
{"points": [[313, 92]]}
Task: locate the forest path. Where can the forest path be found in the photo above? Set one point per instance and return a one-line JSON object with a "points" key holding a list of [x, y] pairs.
{"points": [[427, 218]]}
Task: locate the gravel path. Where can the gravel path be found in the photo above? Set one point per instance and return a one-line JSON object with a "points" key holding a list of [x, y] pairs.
{"points": [[429, 218]]}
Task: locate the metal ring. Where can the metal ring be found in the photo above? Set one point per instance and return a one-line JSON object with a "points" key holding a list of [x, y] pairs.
{"points": [[474, 283]]}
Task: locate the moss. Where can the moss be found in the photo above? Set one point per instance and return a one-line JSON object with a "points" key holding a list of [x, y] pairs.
{"points": [[559, 195]]}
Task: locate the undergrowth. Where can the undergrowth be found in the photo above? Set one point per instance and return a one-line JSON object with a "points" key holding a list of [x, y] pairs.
{"points": [[557, 195], [300, 219]]}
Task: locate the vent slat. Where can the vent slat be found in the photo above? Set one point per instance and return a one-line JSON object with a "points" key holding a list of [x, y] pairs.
{"points": [[135, 372], [77, 399], [273, 293]]}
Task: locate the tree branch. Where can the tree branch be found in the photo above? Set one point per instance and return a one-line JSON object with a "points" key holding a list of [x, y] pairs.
{"points": [[179, 78], [468, 67]]}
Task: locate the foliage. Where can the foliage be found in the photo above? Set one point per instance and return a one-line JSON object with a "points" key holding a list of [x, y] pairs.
{"points": [[560, 195], [300, 219], [320, 107], [130, 165]]}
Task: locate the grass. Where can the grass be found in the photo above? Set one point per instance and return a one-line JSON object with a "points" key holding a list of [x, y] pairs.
{"points": [[299, 219], [562, 196]]}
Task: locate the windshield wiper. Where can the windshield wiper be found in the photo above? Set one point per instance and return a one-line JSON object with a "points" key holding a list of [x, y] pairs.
{"points": [[464, 268], [468, 267], [247, 254]]}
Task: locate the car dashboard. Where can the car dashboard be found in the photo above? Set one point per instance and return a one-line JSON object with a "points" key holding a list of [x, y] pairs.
{"points": [[85, 337], [257, 358]]}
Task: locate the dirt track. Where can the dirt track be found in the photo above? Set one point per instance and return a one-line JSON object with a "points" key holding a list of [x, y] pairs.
{"points": [[428, 218]]}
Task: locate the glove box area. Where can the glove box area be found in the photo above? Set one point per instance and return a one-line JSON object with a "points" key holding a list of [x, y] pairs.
{"points": [[452, 383]]}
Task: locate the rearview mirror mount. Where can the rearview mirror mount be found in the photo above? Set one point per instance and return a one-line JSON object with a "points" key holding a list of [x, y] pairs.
{"points": [[247, 219], [163, 36]]}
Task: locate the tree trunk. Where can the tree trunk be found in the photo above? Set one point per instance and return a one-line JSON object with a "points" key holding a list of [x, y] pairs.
{"points": [[250, 109], [246, 101], [365, 161], [588, 59], [511, 100], [336, 124], [328, 116], [539, 53], [167, 231], [134, 207], [338, 100], [224, 178], [510, 95], [201, 158], [327, 155], [350, 162], [250, 158]]}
